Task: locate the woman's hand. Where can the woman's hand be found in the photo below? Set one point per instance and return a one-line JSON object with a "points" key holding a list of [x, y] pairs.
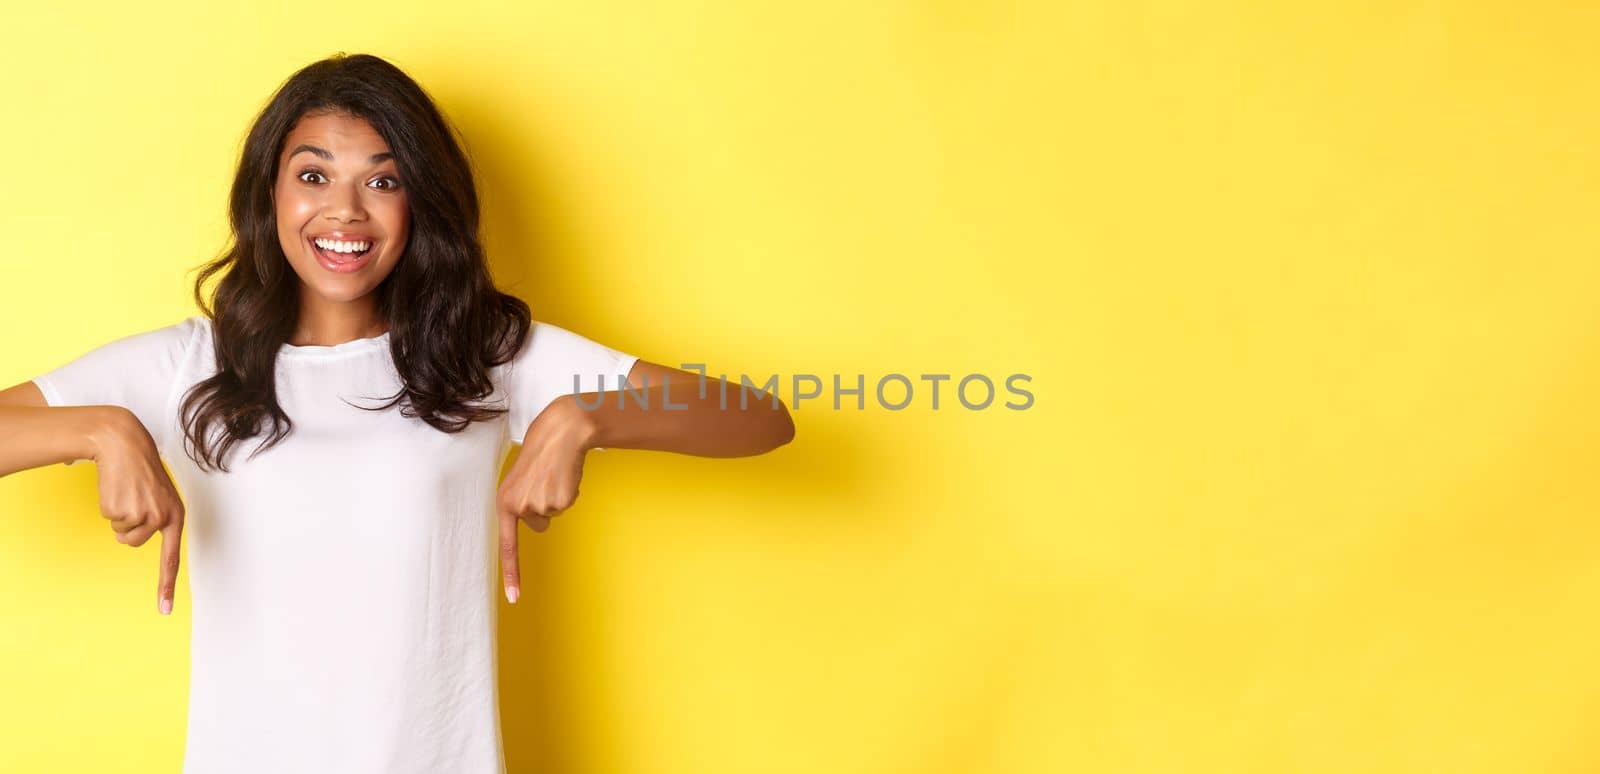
{"points": [[137, 496], [543, 481]]}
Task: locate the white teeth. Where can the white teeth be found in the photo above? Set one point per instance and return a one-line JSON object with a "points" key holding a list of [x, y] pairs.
{"points": [[340, 246]]}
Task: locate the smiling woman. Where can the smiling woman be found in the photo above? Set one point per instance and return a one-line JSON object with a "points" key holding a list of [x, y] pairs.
{"points": [[351, 150], [342, 619]]}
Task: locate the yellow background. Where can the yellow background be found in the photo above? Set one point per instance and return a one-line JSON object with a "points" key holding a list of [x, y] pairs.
{"points": [[1307, 293]]}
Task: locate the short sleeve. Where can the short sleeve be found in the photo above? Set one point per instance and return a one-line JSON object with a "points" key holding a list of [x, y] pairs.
{"points": [[544, 369], [135, 372]]}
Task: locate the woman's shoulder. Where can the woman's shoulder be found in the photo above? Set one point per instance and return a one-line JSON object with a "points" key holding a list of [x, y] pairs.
{"points": [[548, 346], [177, 338], [167, 347], [167, 342], [135, 370], [188, 329]]}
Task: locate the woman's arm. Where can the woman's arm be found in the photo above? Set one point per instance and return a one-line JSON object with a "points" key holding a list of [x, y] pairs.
{"points": [[136, 493], [695, 425], [544, 480], [34, 434]]}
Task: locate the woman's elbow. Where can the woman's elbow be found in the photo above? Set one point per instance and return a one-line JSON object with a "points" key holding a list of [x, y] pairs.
{"points": [[783, 426]]}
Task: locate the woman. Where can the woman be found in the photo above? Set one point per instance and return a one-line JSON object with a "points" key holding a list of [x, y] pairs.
{"points": [[336, 421]]}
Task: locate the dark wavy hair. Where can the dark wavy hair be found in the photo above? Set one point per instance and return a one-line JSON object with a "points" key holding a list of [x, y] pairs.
{"points": [[448, 323]]}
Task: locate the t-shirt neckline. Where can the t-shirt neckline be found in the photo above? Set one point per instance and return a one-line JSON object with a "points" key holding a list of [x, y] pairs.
{"points": [[353, 345], [380, 341]]}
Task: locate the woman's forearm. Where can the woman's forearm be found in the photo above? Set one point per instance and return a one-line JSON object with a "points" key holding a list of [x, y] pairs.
{"points": [[35, 436], [675, 418]]}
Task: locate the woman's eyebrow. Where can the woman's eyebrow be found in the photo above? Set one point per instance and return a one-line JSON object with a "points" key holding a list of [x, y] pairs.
{"points": [[327, 156]]}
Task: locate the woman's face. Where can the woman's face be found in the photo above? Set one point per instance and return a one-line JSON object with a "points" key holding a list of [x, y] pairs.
{"points": [[343, 211]]}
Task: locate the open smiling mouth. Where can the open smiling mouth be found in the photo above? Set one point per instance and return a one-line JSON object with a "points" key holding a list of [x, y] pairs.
{"points": [[342, 255]]}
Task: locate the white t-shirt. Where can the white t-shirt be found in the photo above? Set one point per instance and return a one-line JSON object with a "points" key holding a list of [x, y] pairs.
{"points": [[344, 583]]}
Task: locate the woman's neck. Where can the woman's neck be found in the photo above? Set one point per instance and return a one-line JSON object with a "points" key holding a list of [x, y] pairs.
{"points": [[331, 327]]}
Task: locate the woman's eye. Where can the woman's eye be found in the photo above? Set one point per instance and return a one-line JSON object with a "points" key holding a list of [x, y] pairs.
{"points": [[309, 172], [391, 183]]}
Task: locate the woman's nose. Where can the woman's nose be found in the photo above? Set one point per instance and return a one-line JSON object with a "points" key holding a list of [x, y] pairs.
{"points": [[344, 203]]}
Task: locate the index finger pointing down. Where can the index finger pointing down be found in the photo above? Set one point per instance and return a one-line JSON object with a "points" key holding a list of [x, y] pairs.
{"points": [[508, 557], [171, 540]]}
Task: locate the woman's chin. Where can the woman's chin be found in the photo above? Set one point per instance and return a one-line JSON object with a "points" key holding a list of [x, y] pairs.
{"points": [[337, 287]]}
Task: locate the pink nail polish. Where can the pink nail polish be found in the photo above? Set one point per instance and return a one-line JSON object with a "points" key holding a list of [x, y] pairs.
{"points": [[512, 593], [166, 607]]}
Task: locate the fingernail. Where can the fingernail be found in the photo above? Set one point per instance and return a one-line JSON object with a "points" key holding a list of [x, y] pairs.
{"points": [[512, 593], [166, 606]]}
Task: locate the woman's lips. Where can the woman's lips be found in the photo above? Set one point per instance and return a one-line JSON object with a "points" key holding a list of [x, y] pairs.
{"points": [[342, 263]]}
